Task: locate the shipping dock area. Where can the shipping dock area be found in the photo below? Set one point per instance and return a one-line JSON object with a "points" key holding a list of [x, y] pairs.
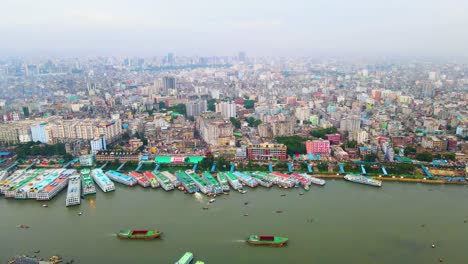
{"points": [[233, 181], [141, 179], [151, 179], [102, 180], [174, 180], [246, 179], [73, 190], [127, 180], [87, 182], [18, 182], [48, 177], [9, 181], [304, 181], [261, 178], [201, 183], [187, 182], [282, 180], [165, 183], [216, 188], [222, 179]]}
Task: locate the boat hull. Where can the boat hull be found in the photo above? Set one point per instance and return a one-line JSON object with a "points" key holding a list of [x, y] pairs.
{"points": [[139, 237], [272, 241], [276, 244]]}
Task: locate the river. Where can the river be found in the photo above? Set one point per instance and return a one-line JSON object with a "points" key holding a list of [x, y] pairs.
{"points": [[341, 222]]}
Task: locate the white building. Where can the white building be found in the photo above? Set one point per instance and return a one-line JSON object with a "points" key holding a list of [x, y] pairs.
{"points": [[98, 144], [40, 132], [227, 109]]}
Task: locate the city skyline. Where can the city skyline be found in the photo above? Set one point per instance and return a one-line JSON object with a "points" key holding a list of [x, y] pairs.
{"points": [[260, 28]]}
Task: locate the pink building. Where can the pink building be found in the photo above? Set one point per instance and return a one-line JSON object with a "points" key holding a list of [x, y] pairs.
{"points": [[318, 147], [334, 138]]}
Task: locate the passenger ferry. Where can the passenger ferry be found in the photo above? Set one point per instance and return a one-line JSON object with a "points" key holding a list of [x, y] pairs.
{"points": [[141, 179], [216, 188], [151, 178], [187, 182], [261, 179], [283, 180], [121, 178], [232, 179], [74, 190], [363, 180], [87, 182], [55, 186], [174, 180], [102, 180], [9, 182], [223, 181], [43, 180], [246, 179], [164, 181], [201, 183], [315, 180]]}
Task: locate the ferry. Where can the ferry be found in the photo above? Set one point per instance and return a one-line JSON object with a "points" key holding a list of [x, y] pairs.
{"points": [[102, 180], [43, 186], [223, 181], [283, 180], [87, 182], [267, 240], [74, 190], [233, 181], [315, 180], [55, 186], [216, 188], [151, 178], [185, 259], [261, 178], [246, 179], [121, 178], [363, 180], [174, 180], [141, 179], [166, 184], [187, 182], [9, 182], [201, 183], [14, 185]]}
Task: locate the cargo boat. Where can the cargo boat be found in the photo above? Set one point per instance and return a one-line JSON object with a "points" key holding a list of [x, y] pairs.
{"points": [[166, 184], [267, 240], [185, 259], [121, 178], [141, 179], [55, 186], [233, 181], [87, 182], [363, 180], [246, 179], [73, 190], [216, 188], [260, 178], [138, 234], [102, 180], [174, 180], [201, 183], [223, 182], [187, 182], [152, 179], [314, 180]]}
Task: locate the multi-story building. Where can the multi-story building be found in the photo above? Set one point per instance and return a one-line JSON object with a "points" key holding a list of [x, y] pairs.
{"points": [[69, 130], [195, 108], [215, 130], [267, 151], [350, 123], [227, 109], [98, 144], [360, 136], [334, 138], [41, 132], [318, 147], [121, 156]]}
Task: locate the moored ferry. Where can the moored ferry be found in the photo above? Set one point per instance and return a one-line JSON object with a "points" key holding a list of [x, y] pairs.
{"points": [[315, 180], [216, 188], [201, 183], [186, 258], [87, 182], [55, 186], [261, 178], [9, 181], [246, 179], [121, 178], [363, 180], [102, 180], [166, 184], [141, 179], [151, 178], [223, 182], [174, 180], [43, 187], [283, 180], [233, 181], [73, 190], [187, 182]]}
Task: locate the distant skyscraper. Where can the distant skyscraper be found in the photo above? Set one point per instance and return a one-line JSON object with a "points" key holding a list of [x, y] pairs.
{"points": [[170, 58], [242, 56], [168, 83], [195, 108], [227, 109]]}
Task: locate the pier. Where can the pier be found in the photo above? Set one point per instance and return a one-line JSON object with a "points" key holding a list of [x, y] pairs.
{"points": [[384, 171], [213, 168], [342, 171]]}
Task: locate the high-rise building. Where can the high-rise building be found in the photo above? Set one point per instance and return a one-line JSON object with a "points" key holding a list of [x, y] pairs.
{"points": [[350, 123], [97, 144], [318, 147], [227, 109], [170, 58], [242, 56], [169, 82], [41, 132], [214, 129], [195, 108]]}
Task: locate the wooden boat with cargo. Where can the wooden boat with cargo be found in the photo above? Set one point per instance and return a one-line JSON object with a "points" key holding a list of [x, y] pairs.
{"points": [[138, 234]]}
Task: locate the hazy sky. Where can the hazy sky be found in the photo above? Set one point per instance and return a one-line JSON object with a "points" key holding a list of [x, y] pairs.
{"points": [[224, 27]]}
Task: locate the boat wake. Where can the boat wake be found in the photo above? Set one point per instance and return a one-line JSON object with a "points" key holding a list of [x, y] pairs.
{"points": [[238, 241], [199, 197]]}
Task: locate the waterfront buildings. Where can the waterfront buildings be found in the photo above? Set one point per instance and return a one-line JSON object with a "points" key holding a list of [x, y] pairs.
{"points": [[226, 109], [318, 147], [215, 130], [266, 151]]}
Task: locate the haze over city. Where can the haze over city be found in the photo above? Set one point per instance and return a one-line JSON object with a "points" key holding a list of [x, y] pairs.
{"points": [[208, 27]]}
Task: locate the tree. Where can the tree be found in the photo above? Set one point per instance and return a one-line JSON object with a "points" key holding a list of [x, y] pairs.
{"points": [[187, 160], [410, 150], [235, 122], [249, 104], [211, 105], [370, 157], [321, 133], [179, 108], [424, 156], [162, 105], [294, 144], [191, 118], [351, 144], [253, 122]]}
